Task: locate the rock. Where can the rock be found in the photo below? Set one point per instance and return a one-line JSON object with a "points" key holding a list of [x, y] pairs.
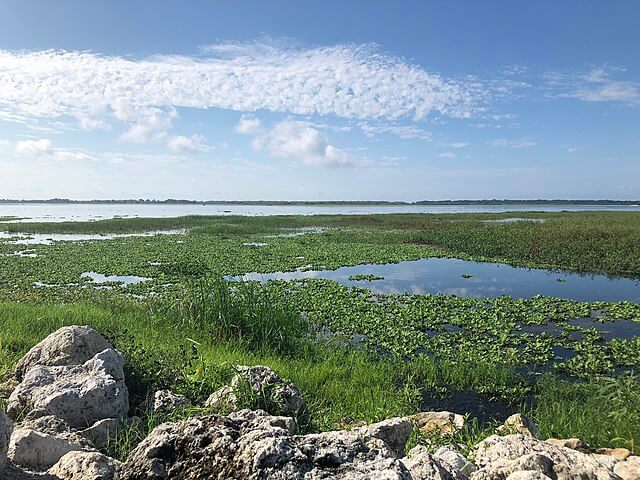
{"points": [[424, 466], [72, 345], [85, 466], [394, 433], [5, 435], [518, 423], [37, 450], [80, 394], [528, 475], [527, 465], [572, 443], [278, 396], [101, 432], [629, 469], [442, 422], [165, 401], [255, 445], [451, 456], [499, 456], [619, 454]]}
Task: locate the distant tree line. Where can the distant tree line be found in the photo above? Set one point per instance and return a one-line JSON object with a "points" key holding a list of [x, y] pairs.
{"points": [[173, 201]]}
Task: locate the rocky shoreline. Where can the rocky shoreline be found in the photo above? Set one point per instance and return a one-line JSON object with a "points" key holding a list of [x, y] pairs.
{"points": [[69, 397]]}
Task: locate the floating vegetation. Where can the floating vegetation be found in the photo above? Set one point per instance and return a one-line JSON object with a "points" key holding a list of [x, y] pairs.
{"points": [[365, 278]]}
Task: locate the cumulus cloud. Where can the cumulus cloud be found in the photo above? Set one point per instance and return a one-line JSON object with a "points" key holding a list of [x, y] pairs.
{"points": [[44, 148], [519, 143], [347, 81], [188, 145], [248, 125], [299, 141]]}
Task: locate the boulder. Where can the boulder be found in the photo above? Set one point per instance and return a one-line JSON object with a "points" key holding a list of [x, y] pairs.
{"points": [[422, 465], [101, 432], [5, 435], [265, 387], [167, 402], [37, 450], [72, 345], [450, 455], [500, 456], [438, 422], [394, 432], [629, 469], [518, 423], [79, 394], [255, 445], [85, 466]]}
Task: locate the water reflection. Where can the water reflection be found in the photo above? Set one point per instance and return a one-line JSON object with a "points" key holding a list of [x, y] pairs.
{"points": [[445, 275]]}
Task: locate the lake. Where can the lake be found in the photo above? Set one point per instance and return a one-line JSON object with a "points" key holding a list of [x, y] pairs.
{"points": [[39, 212]]}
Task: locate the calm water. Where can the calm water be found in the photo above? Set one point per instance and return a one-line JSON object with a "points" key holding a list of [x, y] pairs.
{"points": [[49, 238], [488, 280], [59, 213]]}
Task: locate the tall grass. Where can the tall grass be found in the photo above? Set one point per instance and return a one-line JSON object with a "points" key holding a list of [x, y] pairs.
{"points": [[237, 311]]}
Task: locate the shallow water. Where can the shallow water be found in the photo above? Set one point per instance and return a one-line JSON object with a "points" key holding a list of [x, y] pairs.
{"points": [[124, 279], [37, 212], [49, 238], [488, 280]]}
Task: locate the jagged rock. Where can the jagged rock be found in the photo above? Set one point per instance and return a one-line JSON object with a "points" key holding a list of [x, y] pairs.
{"points": [[101, 432], [72, 345], [451, 456], [424, 466], [441, 422], [499, 456], [165, 401], [518, 423], [525, 465], [255, 445], [13, 472], [5, 435], [629, 469], [80, 394], [37, 450], [85, 466], [394, 432], [528, 475], [279, 396], [572, 443]]}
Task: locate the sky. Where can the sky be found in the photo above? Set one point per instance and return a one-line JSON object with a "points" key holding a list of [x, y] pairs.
{"points": [[331, 100]]}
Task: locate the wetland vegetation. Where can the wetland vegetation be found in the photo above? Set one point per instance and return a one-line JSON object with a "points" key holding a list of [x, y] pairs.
{"points": [[354, 353]]}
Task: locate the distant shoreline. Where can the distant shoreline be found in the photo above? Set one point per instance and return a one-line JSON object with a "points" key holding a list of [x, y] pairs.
{"points": [[58, 201]]}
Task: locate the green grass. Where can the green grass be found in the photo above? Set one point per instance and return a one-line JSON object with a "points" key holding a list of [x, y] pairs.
{"points": [[164, 349]]}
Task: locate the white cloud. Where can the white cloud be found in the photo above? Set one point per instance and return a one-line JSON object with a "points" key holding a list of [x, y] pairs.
{"points": [[188, 145], [248, 125], [446, 155], [572, 150], [594, 86], [459, 145], [406, 132], [299, 141], [520, 143], [44, 148], [347, 81]]}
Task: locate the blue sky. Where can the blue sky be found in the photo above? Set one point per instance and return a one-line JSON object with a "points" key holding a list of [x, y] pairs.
{"points": [[320, 100]]}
